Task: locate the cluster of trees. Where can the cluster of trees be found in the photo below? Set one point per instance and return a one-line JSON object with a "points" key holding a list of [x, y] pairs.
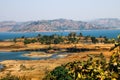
{"points": [[53, 39], [57, 39]]}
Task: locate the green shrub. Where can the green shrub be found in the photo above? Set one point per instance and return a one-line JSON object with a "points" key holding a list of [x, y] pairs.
{"points": [[59, 73], [95, 68]]}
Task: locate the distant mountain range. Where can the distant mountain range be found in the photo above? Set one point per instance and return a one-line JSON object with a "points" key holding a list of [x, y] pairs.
{"points": [[58, 25], [112, 23]]}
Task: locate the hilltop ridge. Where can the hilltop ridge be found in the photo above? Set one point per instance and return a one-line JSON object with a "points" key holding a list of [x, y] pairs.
{"points": [[58, 25]]}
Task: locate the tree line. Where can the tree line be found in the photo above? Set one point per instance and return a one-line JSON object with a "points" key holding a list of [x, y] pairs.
{"points": [[70, 38]]}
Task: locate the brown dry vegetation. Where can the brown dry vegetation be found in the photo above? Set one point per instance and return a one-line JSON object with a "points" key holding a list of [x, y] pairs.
{"points": [[36, 69], [11, 46]]}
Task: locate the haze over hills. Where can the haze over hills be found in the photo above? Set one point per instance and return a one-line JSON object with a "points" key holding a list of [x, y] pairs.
{"points": [[107, 22], [59, 25]]}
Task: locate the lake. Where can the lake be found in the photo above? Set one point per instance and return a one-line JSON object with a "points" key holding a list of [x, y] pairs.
{"points": [[19, 56], [95, 33]]}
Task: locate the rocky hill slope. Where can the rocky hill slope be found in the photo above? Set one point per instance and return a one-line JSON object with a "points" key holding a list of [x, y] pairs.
{"points": [[112, 23], [58, 25]]}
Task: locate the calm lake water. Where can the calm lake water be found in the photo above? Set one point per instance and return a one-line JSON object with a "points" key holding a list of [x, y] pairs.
{"points": [[96, 33], [13, 56], [19, 56]]}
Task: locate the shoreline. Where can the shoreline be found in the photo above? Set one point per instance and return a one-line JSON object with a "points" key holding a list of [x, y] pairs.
{"points": [[62, 30], [37, 54], [33, 68]]}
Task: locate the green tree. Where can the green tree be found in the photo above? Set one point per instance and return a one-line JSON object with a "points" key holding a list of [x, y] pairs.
{"points": [[27, 41], [23, 37], [59, 73], [39, 36], [58, 40], [81, 35], [72, 40], [72, 35], [106, 39], [94, 40], [14, 40]]}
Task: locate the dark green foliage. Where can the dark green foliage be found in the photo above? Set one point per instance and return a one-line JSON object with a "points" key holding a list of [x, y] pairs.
{"points": [[33, 40], [45, 40], [15, 40], [95, 68], [72, 40], [28, 41], [72, 35], [94, 40], [114, 62], [39, 35], [80, 34], [23, 37], [59, 73], [53, 39], [106, 40], [13, 77], [57, 39]]}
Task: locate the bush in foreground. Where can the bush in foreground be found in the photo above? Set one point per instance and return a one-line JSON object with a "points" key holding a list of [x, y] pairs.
{"points": [[95, 68]]}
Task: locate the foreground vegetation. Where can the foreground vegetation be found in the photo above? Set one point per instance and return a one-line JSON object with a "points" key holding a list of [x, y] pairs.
{"points": [[95, 68]]}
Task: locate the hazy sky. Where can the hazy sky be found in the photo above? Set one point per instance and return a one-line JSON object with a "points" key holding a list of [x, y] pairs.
{"points": [[26, 10]]}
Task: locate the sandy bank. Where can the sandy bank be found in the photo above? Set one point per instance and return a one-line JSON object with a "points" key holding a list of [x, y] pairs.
{"points": [[37, 54]]}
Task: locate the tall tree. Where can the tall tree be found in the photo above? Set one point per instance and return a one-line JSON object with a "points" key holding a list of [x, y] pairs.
{"points": [[80, 34], [72, 37]]}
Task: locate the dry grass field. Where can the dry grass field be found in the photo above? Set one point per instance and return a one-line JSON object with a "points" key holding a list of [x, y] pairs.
{"points": [[36, 69]]}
